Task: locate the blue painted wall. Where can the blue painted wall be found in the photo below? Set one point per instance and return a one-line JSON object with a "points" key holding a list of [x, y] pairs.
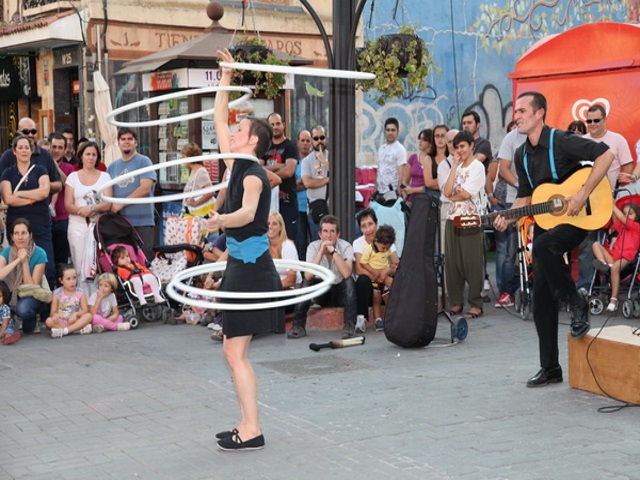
{"points": [[475, 44]]}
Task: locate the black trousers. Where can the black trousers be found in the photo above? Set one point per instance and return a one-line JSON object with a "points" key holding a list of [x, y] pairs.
{"points": [[552, 282]]}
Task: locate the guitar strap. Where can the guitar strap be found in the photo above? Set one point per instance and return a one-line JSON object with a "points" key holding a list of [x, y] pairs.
{"points": [[552, 160]]}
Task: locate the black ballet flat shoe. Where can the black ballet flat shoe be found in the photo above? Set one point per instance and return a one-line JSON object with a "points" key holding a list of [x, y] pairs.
{"points": [[235, 443], [545, 376], [226, 433]]}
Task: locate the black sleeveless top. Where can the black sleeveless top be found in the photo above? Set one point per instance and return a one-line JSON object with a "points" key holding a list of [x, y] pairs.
{"points": [[235, 191]]}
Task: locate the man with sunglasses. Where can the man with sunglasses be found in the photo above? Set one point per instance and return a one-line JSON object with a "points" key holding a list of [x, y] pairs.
{"points": [[40, 156], [315, 177], [620, 169]]}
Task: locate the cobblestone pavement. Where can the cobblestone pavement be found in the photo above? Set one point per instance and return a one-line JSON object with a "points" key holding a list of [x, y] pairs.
{"points": [[146, 404]]}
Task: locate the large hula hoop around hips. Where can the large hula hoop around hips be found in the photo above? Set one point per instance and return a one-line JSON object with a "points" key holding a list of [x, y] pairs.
{"points": [[158, 166], [311, 72], [181, 118], [296, 295]]}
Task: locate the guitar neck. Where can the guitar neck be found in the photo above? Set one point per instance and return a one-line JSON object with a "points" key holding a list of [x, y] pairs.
{"points": [[519, 212]]}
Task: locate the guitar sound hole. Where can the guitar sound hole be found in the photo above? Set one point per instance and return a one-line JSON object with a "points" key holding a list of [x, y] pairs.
{"points": [[558, 205]]}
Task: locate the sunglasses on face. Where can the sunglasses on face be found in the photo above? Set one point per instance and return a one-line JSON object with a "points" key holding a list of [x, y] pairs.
{"points": [[26, 131], [594, 120], [321, 137]]}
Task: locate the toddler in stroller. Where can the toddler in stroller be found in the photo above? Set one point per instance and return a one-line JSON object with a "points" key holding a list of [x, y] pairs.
{"points": [[136, 274], [620, 250]]}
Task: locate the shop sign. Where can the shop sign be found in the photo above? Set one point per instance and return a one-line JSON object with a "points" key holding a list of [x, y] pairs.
{"points": [[164, 80], [202, 77], [65, 57], [9, 81]]}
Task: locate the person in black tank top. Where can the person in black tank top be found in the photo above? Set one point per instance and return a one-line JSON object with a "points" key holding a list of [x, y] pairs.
{"points": [[250, 268]]}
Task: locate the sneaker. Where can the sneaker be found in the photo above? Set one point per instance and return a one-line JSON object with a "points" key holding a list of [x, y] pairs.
{"points": [[498, 304], [124, 326], [97, 328], [361, 324], [85, 330], [349, 331], [379, 325], [56, 332], [583, 291], [11, 338], [506, 300], [297, 332]]}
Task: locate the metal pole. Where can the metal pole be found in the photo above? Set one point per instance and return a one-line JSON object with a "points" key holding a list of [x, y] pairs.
{"points": [[342, 123]]}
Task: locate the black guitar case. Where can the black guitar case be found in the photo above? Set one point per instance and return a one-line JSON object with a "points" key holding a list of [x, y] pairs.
{"points": [[412, 308]]}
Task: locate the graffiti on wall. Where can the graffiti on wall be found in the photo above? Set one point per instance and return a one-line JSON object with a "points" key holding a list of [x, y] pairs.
{"points": [[500, 26]]}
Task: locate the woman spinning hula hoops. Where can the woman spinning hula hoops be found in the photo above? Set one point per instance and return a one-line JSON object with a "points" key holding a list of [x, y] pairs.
{"points": [[250, 267]]}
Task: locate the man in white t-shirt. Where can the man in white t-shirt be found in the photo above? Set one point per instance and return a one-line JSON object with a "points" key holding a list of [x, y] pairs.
{"points": [[392, 161], [622, 166], [315, 176]]}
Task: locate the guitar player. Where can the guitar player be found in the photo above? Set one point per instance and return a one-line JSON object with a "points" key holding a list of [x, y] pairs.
{"points": [[550, 156]]}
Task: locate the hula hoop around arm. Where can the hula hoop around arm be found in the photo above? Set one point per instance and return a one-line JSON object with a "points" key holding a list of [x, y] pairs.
{"points": [[311, 72], [293, 296], [158, 166], [181, 118]]}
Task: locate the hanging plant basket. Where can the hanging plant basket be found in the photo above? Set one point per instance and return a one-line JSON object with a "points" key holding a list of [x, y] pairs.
{"points": [[405, 46], [254, 50], [400, 61]]}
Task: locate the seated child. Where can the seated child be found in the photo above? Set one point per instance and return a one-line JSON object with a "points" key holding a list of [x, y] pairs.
{"points": [[380, 264], [104, 306], [69, 310], [622, 249], [135, 273], [528, 251], [198, 282], [8, 332]]}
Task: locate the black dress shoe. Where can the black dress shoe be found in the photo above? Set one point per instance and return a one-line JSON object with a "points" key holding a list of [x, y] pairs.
{"points": [[235, 443], [579, 315], [225, 434], [545, 376]]}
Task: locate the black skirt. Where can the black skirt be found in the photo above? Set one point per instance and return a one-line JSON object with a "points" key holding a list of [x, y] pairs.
{"points": [[251, 277]]}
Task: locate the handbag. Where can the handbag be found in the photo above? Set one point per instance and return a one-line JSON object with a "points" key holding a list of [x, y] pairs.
{"points": [[318, 209]]}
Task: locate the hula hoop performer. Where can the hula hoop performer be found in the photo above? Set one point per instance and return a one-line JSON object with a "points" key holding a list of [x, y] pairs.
{"points": [[250, 268]]}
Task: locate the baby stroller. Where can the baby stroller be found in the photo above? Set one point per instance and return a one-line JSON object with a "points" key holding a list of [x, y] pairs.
{"points": [[600, 288], [524, 294], [184, 240], [113, 230]]}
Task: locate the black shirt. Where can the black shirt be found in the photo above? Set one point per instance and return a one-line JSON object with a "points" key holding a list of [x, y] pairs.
{"points": [[279, 154], [235, 193], [569, 150]]}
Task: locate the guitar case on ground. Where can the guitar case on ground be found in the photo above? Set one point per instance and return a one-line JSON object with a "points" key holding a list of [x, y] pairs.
{"points": [[412, 308]]}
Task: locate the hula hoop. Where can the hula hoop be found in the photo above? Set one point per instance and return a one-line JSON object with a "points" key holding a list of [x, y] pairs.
{"points": [[295, 296], [158, 166], [311, 72], [181, 118]]}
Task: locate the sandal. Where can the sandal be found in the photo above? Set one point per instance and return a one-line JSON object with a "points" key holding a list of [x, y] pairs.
{"points": [[613, 305], [469, 315], [455, 310]]}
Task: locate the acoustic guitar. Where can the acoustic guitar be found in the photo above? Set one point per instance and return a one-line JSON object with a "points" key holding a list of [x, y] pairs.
{"points": [[549, 206]]}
